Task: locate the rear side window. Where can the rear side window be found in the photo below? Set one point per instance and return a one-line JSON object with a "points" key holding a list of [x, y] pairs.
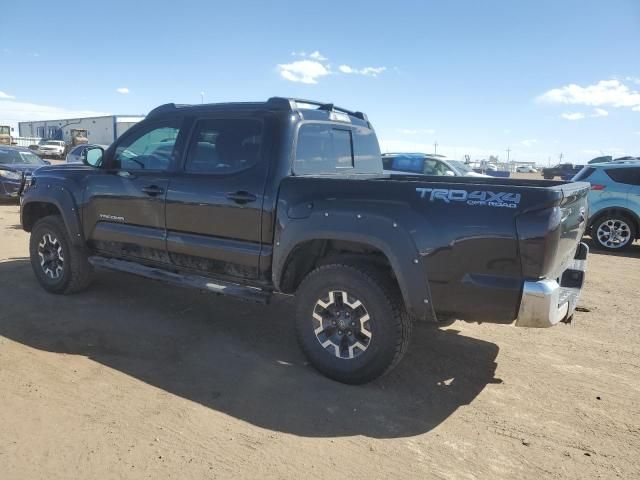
{"points": [[224, 146], [584, 174], [628, 176], [327, 148]]}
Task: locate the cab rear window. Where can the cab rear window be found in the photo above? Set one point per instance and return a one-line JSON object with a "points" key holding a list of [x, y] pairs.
{"points": [[324, 148]]}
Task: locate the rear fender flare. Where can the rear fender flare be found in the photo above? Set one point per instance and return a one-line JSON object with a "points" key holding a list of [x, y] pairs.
{"points": [[369, 229]]}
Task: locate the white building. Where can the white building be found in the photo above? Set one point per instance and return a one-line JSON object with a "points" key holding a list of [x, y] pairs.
{"points": [[100, 130]]}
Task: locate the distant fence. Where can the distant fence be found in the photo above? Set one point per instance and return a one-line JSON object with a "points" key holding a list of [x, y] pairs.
{"points": [[26, 141]]}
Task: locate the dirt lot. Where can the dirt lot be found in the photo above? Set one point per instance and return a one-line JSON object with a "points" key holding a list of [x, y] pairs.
{"points": [[135, 379]]}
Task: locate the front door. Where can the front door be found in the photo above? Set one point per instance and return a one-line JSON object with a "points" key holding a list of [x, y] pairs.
{"points": [[214, 203], [124, 214]]}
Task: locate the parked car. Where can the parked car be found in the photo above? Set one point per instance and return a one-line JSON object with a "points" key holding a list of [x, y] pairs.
{"points": [[424, 164], [614, 203], [526, 169], [16, 167], [257, 199], [75, 154], [562, 170], [52, 148]]}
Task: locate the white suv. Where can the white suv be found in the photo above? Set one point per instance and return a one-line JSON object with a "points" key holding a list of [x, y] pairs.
{"points": [[51, 148]]}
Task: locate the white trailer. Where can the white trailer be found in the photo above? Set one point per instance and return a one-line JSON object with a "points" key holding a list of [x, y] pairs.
{"points": [[100, 130]]}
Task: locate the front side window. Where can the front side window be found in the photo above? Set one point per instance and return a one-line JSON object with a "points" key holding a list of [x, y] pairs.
{"points": [[224, 146], [148, 149]]}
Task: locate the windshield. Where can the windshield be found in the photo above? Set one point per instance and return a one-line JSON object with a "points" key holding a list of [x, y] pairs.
{"points": [[460, 166], [19, 157]]}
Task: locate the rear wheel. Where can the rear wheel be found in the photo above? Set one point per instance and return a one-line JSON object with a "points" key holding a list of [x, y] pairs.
{"points": [[613, 232], [351, 322], [59, 266]]}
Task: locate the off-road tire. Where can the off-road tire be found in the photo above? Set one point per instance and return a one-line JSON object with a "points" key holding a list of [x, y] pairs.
{"points": [[77, 271], [389, 324]]}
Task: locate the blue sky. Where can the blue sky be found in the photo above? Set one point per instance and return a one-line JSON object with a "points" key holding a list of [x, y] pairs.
{"points": [[539, 77]]}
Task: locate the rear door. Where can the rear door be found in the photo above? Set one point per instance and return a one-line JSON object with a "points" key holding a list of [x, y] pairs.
{"points": [[630, 176], [124, 212], [214, 202]]}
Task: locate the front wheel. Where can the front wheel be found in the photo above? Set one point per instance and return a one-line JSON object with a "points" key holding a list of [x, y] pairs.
{"points": [[59, 266], [351, 322], [613, 232]]}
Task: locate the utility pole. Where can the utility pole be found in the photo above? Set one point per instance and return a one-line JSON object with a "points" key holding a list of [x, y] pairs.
{"points": [[201, 97], [435, 148], [508, 152]]}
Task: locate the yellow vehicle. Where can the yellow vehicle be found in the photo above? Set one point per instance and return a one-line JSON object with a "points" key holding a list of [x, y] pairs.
{"points": [[79, 136], [5, 135]]}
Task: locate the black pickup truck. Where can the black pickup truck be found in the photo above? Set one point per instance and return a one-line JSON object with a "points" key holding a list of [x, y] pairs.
{"points": [[562, 170], [288, 196]]}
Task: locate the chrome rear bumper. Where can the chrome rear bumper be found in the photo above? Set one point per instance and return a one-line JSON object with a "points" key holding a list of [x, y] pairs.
{"points": [[547, 302]]}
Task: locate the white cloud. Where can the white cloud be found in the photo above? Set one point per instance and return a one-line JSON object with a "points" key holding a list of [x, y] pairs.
{"points": [[599, 112], [14, 112], [317, 56], [417, 131], [529, 143], [123, 90], [369, 71], [303, 71], [573, 116], [5, 95], [611, 93], [315, 65]]}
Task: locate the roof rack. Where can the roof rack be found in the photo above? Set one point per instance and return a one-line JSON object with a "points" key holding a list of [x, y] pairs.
{"points": [[292, 104], [167, 107], [278, 103]]}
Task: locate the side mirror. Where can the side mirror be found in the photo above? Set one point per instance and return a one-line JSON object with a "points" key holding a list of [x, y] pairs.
{"points": [[92, 157], [449, 173]]}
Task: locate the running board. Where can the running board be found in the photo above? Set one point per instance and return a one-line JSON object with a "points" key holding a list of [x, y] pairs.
{"points": [[183, 279]]}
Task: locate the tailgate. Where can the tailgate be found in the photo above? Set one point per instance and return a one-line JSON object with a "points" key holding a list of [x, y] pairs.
{"points": [[549, 235], [574, 214]]}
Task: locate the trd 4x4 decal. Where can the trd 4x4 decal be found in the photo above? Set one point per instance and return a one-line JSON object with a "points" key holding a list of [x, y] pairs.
{"points": [[475, 198]]}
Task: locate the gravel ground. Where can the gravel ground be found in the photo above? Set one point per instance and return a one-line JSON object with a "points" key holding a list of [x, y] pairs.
{"points": [[135, 379]]}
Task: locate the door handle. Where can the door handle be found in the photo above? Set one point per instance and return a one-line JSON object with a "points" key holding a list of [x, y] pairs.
{"points": [[153, 190], [242, 197]]}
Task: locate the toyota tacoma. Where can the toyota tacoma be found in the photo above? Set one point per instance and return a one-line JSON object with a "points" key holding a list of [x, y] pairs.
{"points": [[288, 196]]}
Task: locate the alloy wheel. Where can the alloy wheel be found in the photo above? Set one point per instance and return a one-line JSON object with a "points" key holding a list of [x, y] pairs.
{"points": [[51, 256], [342, 325], [614, 233]]}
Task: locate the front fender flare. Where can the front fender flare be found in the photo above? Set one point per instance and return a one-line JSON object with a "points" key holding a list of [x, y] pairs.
{"points": [[58, 195]]}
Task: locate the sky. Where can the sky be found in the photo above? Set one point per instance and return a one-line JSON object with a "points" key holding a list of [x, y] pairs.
{"points": [[538, 78]]}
